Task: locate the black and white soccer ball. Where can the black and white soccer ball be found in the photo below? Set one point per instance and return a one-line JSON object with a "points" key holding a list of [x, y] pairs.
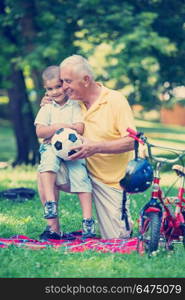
{"points": [[63, 140]]}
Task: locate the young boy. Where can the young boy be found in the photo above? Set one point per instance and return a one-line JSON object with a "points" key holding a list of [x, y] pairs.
{"points": [[61, 113]]}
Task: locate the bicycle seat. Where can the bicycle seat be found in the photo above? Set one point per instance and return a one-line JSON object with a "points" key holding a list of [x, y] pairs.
{"points": [[180, 170]]}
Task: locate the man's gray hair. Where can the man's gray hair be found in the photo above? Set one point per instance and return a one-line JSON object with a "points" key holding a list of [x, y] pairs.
{"points": [[50, 73], [79, 64]]}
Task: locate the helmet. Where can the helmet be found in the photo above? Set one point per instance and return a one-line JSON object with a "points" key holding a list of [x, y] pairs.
{"points": [[138, 176]]}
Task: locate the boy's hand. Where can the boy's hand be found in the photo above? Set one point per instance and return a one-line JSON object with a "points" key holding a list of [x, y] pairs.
{"points": [[45, 100], [47, 141]]}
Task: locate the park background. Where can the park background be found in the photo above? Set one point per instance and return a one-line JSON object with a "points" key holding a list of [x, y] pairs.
{"points": [[136, 47]]}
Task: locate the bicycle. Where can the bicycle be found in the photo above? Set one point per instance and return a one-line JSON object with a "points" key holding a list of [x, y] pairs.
{"points": [[157, 222]]}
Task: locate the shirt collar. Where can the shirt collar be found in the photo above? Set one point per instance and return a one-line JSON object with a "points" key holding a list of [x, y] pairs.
{"points": [[101, 99], [68, 102], [104, 91]]}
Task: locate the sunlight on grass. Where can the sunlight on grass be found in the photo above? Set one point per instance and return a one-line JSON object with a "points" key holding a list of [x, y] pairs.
{"points": [[161, 135], [9, 220], [158, 125], [17, 176], [158, 135], [164, 143], [168, 179]]}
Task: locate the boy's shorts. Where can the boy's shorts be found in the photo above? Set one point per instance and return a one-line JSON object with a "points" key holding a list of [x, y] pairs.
{"points": [[77, 172]]}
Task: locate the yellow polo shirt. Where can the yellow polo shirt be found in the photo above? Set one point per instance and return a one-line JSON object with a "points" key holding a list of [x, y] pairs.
{"points": [[107, 120]]}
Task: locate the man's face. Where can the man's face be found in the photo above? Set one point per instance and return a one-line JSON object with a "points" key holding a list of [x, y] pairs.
{"points": [[73, 83], [54, 89]]}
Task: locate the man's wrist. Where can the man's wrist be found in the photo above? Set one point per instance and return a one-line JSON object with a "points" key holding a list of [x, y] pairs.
{"points": [[99, 147]]}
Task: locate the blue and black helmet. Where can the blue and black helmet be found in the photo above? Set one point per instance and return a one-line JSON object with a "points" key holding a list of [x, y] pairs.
{"points": [[138, 176]]}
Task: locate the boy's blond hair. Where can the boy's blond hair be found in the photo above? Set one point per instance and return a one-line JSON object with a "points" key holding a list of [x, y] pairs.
{"points": [[51, 72]]}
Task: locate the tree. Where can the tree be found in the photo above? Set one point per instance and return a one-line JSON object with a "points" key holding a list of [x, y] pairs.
{"points": [[146, 38], [147, 44], [170, 24], [22, 120], [26, 31], [20, 109]]}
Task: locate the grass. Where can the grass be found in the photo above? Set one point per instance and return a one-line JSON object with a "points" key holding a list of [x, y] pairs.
{"points": [[26, 218], [7, 142]]}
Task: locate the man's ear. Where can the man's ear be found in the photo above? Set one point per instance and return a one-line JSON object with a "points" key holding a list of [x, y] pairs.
{"points": [[86, 80]]}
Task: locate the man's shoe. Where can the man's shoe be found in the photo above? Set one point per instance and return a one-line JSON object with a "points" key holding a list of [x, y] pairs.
{"points": [[50, 210], [88, 228]]}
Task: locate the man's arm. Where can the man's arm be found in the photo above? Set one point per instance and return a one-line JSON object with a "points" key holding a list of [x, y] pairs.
{"points": [[121, 145], [89, 148]]}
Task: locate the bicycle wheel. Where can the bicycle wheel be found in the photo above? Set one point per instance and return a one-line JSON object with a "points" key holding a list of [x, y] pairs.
{"points": [[151, 233]]}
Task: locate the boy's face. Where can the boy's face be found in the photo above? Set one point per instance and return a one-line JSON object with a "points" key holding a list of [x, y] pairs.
{"points": [[54, 90]]}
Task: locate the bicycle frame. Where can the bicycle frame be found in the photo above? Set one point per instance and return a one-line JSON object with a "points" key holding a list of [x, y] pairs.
{"points": [[172, 226], [153, 205]]}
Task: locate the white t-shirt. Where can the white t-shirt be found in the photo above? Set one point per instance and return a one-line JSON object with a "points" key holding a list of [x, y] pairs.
{"points": [[68, 113]]}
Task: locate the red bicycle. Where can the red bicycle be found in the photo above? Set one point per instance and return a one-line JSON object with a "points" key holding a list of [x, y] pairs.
{"points": [[158, 223]]}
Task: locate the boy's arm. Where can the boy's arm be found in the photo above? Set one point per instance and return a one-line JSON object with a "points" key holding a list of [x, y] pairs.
{"points": [[79, 127], [47, 131]]}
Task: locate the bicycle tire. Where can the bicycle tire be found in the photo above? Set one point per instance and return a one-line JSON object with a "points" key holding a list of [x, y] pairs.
{"points": [[152, 234]]}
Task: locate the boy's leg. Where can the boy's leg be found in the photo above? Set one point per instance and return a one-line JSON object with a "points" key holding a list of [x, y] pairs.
{"points": [[88, 224], [80, 183], [86, 204], [52, 223], [52, 231], [49, 190], [48, 182], [48, 167], [40, 189]]}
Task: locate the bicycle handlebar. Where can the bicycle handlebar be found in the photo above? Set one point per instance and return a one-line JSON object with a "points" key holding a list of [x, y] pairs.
{"points": [[142, 139]]}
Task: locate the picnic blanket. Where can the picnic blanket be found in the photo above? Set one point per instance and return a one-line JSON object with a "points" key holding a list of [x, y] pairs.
{"points": [[76, 245]]}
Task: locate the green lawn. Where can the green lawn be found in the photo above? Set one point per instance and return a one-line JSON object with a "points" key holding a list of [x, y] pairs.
{"points": [[7, 142], [26, 218]]}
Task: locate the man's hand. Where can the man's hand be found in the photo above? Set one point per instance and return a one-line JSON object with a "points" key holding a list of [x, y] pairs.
{"points": [[45, 100], [86, 149]]}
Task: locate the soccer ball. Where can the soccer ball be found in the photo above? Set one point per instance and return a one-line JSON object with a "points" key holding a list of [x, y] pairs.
{"points": [[63, 140]]}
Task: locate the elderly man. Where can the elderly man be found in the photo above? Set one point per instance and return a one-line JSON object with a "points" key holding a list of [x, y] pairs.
{"points": [[106, 146]]}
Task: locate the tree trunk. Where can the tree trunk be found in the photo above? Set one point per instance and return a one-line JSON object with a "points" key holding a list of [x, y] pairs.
{"points": [[22, 120], [37, 79]]}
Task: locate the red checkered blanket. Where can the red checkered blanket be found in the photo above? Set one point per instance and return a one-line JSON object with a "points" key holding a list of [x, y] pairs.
{"points": [[77, 245]]}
